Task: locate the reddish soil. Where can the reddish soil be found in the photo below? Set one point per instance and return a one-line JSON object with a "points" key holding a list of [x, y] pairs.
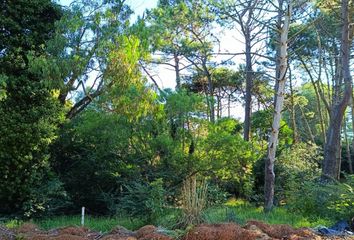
{"points": [[253, 230]]}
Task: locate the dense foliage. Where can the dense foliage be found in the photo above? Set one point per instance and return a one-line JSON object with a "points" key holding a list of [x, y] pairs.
{"points": [[30, 112]]}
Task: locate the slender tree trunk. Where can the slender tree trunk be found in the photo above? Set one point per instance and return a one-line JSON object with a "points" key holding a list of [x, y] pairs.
{"points": [[347, 145], [249, 83], [307, 125], [211, 93], [218, 110], [318, 98], [278, 49], [229, 105], [273, 140], [350, 163], [293, 114], [331, 162], [177, 71]]}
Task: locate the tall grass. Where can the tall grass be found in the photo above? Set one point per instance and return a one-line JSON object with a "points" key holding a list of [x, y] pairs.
{"points": [[240, 211], [193, 201], [103, 224]]}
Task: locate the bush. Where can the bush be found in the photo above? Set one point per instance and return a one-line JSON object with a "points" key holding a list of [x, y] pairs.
{"points": [[227, 157], [193, 201], [144, 200], [47, 198], [330, 200], [295, 165], [216, 195]]}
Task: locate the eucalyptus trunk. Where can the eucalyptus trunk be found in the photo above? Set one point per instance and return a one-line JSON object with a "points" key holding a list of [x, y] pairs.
{"points": [[279, 102]]}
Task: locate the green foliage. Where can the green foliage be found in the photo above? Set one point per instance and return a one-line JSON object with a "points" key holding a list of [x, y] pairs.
{"points": [[296, 165], [241, 211], [95, 146], [30, 112], [30, 115], [47, 198], [23, 31], [306, 108], [216, 195], [334, 200], [261, 123], [229, 158], [144, 200], [3, 80]]}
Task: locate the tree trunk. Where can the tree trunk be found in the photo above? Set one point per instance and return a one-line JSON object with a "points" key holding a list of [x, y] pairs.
{"points": [[210, 91], [331, 162], [352, 110], [249, 83], [349, 160], [229, 106], [178, 77], [312, 138], [293, 114], [279, 101], [318, 95]]}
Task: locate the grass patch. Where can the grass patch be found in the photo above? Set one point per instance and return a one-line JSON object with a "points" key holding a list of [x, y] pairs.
{"points": [[103, 224], [233, 211], [240, 211]]}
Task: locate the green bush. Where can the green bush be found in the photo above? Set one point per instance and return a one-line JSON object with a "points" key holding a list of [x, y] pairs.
{"points": [[295, 165], [227, 158], [330, 200], [47, 198], [144, 200], [216, 195]]}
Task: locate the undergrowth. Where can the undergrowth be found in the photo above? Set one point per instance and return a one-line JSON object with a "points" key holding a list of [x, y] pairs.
{"points": [[233, 211]]}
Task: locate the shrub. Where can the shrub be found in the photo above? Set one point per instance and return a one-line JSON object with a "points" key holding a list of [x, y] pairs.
{"points": [[47, 198], [193, 201], [144, 200], [295, 165], [333, 200], [216, 195]]}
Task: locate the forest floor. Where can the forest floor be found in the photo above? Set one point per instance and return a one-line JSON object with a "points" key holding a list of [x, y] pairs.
{"points": [[252, 230], [230, 221]]}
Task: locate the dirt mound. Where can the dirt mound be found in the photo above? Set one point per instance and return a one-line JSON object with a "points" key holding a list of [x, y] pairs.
{"points": [[32, 232], [76, 231], [253, 230], [147, 232], [120, 233], [280, 231], [151, 232], [28, 228], [59, 237], [116, 237], [227, 231]]}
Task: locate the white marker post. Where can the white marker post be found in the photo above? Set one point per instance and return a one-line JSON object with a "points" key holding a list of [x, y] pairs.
{"points": [[82, 216]]}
